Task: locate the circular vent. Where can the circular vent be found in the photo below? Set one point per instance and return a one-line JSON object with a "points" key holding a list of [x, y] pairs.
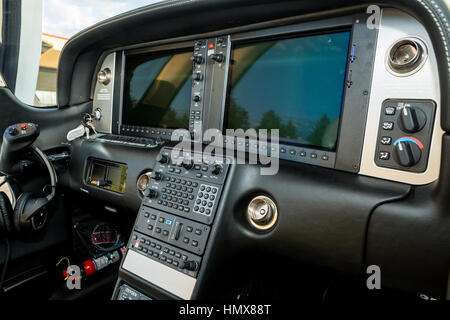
{"points": [[262, 213], [143, 181], [406, 57]]}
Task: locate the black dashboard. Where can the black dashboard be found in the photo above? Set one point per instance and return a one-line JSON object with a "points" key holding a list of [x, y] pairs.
{"points": [[357, 148]]}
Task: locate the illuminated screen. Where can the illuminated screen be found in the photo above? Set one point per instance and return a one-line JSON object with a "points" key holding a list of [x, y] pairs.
{"points": [[157, 90], [295, 85]]}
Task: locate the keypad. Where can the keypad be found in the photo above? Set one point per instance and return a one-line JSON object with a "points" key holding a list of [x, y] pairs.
{"points": [[163, 253], [206, 198]]}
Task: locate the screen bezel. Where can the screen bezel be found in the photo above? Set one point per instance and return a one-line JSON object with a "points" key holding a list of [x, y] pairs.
{"points": [[294, 35], [149, 131]]}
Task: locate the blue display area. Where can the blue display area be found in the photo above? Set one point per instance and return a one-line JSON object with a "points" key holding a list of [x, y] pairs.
{"points": [[295, 85]]}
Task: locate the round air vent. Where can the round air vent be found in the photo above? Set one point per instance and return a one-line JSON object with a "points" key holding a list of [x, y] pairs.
{"points": [[144, 181], [406, 56], [262, 213], [104, 76]]}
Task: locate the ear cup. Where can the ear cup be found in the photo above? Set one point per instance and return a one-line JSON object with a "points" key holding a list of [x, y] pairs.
{"points": [[6, 213], [18, 210]]}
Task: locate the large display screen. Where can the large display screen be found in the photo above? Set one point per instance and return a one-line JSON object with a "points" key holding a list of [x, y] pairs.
{"points": [[295, 85], [157, 90]]}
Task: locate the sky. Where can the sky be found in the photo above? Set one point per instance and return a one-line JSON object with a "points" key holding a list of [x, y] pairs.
{"points": [[65, 18]]}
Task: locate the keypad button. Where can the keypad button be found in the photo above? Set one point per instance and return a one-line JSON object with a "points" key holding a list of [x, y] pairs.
{"points": [[186, 240], [194, 243], [198, 232], [189, 229]]}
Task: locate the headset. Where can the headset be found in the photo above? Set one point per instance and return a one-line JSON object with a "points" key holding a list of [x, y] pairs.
{"points": [[30, 211]]}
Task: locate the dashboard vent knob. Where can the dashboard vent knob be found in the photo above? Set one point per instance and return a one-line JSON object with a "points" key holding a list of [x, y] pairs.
{"points": [[262, 213]]}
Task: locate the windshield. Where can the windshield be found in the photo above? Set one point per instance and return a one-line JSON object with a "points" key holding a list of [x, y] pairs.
{"points": [[64, 18], [42, 29]]}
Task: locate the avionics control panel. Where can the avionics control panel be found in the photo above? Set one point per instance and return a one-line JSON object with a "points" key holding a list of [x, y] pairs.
{"points": [[174, 222], [186, 185]]}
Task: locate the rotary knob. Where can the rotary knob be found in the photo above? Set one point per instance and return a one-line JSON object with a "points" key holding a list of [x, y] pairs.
{"points": [[407, 153], [197, 76], [197, 59], [218, 57], [412, 119], [190, 265], [162, 158], [157, 176], [150, 193], [188, 164], [217, 169], [262, 213]]}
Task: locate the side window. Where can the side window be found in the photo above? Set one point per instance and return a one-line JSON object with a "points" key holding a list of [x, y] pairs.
{"points": [[33, 35]]}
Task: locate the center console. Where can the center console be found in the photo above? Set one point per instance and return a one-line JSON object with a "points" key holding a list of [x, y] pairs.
{"points": [[172, 228]]}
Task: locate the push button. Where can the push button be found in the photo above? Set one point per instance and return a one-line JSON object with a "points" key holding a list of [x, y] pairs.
{"points": [[389, 111], [388, 125], [384, 155], [386, 141]]}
